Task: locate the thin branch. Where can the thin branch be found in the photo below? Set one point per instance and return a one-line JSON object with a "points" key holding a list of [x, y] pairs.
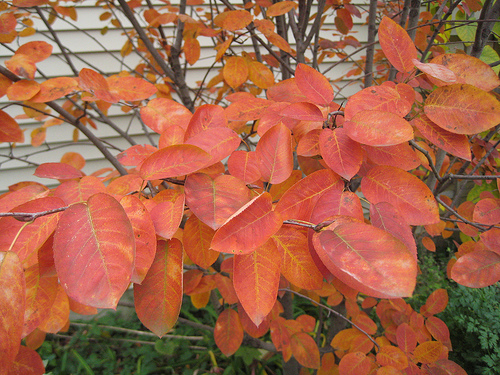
{"points": [[334, 312], [31, 216], [455, 212], [429, 159]]}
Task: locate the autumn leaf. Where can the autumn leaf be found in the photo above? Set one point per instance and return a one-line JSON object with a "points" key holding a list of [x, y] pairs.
{"points": [[228, 332], [313, 84], [10, 130], [397, 45]]}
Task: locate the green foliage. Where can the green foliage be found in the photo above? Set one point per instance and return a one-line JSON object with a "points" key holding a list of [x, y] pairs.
{"points": [[473, 317]]}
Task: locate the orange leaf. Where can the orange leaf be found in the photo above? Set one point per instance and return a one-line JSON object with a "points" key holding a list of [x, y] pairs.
{"points": [[487, 211], [354, 364], [244, 165], [226, 289], [144, 234], [250, 327], [438, 329], [400, 156], [256, 280], [368, 259], [36, 51], [228, 332], [197, 237], [55, 88], [21, 65], [74, 159], [303, 111], [192, 50], [234, 20], [275, 153], [158, 299], [299, 201], [94, 241], [286, 91], [167, 214], [468, 69], [397, 45], [130, 88], [95, 83], [8, 23], [161, 113], [74, 191], [491, 239], [222, 48], [406, 338], [172, 161], [455, 144], [247, 110], [214, 201], [298, 265], [280, 8], [248, 228], [462, 109], [12, 304], [59, 171], [428, 352], [40, 295], [447, 367], [305, 350], [477, 269], [58, 314], [10, 130], [135, 155], [370, 128], [279, 42], [408, 194], [333, 203], [343, 155], [380, 98], [260, 74], [23, 90], [313, 84], [441, 73], [235, 71], [392, 356]]}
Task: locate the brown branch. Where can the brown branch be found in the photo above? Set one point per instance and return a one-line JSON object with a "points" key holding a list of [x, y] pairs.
{"points": [[27, 217]]}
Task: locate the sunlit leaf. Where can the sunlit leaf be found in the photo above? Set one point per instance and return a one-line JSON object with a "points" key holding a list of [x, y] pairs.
{"points": [[334, 202], [462, 109], [408, 194], [303, 111], [97, 234], [256, 280], [228, 332], [158, 299], [233, 20], [248, 228], [397, 45], [74, 191]]}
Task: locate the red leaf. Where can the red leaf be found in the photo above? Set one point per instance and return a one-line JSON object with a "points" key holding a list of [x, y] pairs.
{"points": [[12, 304], [36, 51], [462, 109], [397, 45], [449, 367], [218, 142], [487, 211], [354, 364], [130, 88], [441, 73], [175, 160], [27, 362], [370, 128], [392, 356], [144, 235], [491, 239], [206, 116], [408, 194], [244, 165], [305, 350], [94, 241], [256, 280], [135, 155], [248, 228], [15, 198], [436, 302], [286, 91], [438, 329], [58, 315], [214, 201], [380, 98], [10, 130], [343, 155], [158, 299], [401, 156], [314, 85], [455, 144], [275, 153], [8, 23], [298, 265], [226, 289], [303, 111], [228, 332], [161, 113], [468, 69], [299, 201], [59, 171], [368, 259], [477, 269], [250, 327], [406, 338], [74, 191], [333, 203]]}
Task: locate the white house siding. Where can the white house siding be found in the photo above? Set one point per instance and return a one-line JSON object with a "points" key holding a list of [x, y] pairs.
{"points": [[88, 50]]}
